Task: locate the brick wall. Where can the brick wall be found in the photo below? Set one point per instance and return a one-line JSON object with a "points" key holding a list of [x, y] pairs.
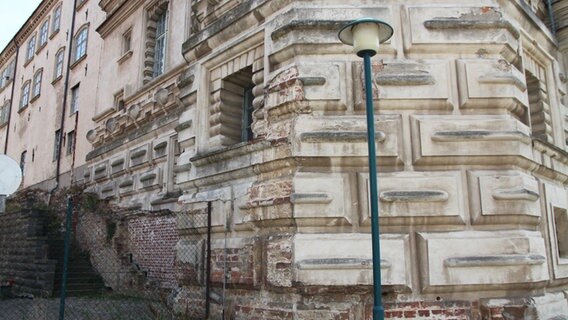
{"points": [[151, 240]]}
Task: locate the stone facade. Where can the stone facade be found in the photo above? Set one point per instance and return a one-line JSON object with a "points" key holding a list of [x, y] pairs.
{"points": [[471, 135]]}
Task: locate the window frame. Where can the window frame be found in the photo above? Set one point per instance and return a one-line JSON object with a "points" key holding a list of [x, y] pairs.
{"points": [[36, 84], [160, 44], [43, 34], [80, 47], [57, 145], [70, 143], [25, 94], [56, 23], [30, 53], [59, 63], [23, 156], [74, 101]]}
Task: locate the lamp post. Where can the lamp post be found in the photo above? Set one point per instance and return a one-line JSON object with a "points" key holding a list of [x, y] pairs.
{"points": [[365, 35]]}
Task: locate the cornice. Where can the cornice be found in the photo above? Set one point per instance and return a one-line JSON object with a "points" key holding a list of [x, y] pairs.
{"points": [[35, 19], [117, 16]]}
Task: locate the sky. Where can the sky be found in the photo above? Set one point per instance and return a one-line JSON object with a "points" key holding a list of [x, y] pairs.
{"points": [[13, 15]]}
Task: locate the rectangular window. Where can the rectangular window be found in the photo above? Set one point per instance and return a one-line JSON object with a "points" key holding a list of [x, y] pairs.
{"points": [[25, 99], [119, 101], [43, 33], [56, 145], [160, 44], [56, 19], [74, 99], [37, 83], [70, 142], [23, 161], [31, 48], [248, 108], [126, 41]]}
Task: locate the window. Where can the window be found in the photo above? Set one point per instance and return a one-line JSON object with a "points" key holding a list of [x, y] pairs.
{"points": [[56, 144], [36, 91], [43, 33], [160, 48], [74, 99], [156, 42], [126, 41], [70, 142], [56, 20], [236, 96], [31, 48], [59, 56], [23, 161], [539, 108], [81, 43], [25, 97], [5, 113], [119, 101]]}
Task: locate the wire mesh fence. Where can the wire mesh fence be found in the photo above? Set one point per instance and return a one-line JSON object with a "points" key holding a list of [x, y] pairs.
{"points": [[88, 262]]}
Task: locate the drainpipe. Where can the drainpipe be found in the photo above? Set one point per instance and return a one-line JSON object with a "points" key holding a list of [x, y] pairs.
{"points": [[65, 93], [551, 17], [12, 96]]}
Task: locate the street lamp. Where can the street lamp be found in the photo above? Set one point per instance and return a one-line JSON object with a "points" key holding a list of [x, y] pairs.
{"points": [[365, 35]]}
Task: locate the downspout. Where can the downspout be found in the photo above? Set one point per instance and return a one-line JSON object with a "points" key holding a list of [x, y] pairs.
{"points": [[551, 17], [65, 91], [12, 96]]}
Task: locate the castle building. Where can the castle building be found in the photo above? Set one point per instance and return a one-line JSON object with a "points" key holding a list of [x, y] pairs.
{"points": [[256, 107]]}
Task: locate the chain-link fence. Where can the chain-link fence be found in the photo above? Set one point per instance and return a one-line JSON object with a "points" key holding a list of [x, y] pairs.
{"points": [[90, 262]]}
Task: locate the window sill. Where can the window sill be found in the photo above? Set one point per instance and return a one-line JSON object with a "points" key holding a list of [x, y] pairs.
{"points": [[53, 34], [22, 109], [81, 5], [34, 98], [78, 61], [28, 61], [125, 57], [40, 48], [3, 124], [56, 80]]}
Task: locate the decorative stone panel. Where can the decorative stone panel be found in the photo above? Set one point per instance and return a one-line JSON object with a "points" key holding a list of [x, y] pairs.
{"points": [[468, 137], [139, 156], [504, 197], [347, 137], [557, 216], [321, 199], [492, 84], [415, 198], [458, 28], [471, 259], [400, 84], [346, 259]]}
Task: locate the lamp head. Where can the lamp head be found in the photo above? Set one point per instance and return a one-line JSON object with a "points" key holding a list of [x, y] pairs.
{"points": [[365, 34]]}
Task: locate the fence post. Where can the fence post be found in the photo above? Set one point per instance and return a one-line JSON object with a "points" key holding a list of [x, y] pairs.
{"points": [[68, 231], [208, 271]]}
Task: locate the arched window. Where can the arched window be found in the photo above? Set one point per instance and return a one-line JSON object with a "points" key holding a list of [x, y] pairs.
{"points": [[81, 43], [43, 32], [56, 19], [31, 47], [25, 97], [59, 58], [36, 90]]}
